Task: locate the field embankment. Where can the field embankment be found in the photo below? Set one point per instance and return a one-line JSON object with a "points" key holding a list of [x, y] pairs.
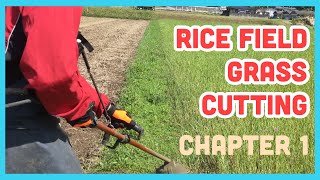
{"points": [[162, 89]]}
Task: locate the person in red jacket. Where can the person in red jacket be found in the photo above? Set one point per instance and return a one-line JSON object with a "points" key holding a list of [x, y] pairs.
{"points": [[42, 57]]}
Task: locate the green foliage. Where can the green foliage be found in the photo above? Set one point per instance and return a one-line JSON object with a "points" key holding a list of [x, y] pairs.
{"points": [[162, 92], [133, 13], [145, 97], [196, 72], [293, 22], [117, 12]]}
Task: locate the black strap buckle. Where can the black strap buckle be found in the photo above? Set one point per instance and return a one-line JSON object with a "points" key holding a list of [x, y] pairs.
{"points": [[85, 42]]}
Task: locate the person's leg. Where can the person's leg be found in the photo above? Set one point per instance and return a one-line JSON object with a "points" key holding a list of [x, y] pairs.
{"points": [[35, 143], [38, 157]]}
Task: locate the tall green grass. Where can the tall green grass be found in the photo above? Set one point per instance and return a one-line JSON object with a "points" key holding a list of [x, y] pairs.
{"points": [[117, 12], [162, 91], [198, 72], [128, 12]]}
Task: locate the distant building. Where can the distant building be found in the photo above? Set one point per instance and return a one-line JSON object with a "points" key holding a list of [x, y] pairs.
{"points": [[271, 12], [304, 13], [145, 7], [196, 9]]}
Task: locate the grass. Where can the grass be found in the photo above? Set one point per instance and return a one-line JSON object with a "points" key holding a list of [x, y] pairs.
{"points": [[116, 12], [131, 13], [146, 88], [162, 92]]}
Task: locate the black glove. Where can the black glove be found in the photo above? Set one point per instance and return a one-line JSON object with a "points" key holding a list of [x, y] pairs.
{"points": [[88, 120], [120, 118]]}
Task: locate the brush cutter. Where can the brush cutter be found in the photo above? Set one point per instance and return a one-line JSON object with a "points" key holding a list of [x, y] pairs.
{"points": [[169, 165]]}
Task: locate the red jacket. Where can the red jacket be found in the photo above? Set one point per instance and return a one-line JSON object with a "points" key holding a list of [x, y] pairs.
{"points": [[50, 59]]}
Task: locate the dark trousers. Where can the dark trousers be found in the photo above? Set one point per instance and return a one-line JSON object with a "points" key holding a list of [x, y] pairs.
{"points": [[35, 143]]}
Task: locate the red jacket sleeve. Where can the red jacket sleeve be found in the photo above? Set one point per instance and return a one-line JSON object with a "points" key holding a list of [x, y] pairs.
{"points": [[50, 61]]}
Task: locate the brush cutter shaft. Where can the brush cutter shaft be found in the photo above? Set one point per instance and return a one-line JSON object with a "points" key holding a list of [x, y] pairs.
{"points": [[94, 84], [134, 143]]}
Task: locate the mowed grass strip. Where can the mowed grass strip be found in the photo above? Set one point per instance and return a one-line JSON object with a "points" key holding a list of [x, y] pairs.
{"points": [[145, 97], [162, 92]]}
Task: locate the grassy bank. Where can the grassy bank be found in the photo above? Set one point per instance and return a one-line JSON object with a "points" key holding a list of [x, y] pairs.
{"points": [[131, 13], [162, 91], [117, 12]]}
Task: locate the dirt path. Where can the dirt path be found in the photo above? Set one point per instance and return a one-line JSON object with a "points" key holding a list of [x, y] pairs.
{"points": [[115, 42]]}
